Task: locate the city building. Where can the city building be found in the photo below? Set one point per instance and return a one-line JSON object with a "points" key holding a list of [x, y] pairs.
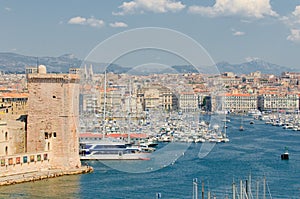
{"points": [[188, 102], [13, 104], [276, 102], [240, 102], [157, 97]]}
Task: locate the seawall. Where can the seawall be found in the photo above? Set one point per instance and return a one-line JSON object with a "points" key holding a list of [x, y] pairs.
{"points": [[41, 175], [30, 167]]}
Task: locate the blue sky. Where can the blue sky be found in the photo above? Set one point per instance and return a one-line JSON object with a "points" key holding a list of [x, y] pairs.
{"points": [[230, 30]]}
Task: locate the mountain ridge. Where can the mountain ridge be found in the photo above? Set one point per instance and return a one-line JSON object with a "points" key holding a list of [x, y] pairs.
{"points": [[16, 63]]}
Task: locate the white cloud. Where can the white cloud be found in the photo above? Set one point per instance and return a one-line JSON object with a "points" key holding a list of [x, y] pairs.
{"points": [[93, 22], [77, 20], [247, 8], [296, 11], [7, 9], [156, 6], [294, 36], [294, 18], [293, 23], [118, 25], [238, 33]]}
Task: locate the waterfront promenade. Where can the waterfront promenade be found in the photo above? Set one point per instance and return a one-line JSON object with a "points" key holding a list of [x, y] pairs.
{"points": [[41, 175]]}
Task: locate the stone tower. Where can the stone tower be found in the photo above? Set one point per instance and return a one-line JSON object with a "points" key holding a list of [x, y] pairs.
{"points": [[53, 117]]}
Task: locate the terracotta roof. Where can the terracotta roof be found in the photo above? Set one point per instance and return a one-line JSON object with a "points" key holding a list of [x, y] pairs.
{"points": [[238, 94], [14, 95]]}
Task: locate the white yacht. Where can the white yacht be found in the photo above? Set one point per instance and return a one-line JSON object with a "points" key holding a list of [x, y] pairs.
{"points": [[111, 150]]}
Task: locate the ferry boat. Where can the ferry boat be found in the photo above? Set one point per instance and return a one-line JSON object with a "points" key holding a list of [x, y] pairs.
{"points": [[111, 150]]}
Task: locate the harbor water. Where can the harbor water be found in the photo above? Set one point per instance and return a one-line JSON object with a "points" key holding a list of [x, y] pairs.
{"points": [[255, 151]]}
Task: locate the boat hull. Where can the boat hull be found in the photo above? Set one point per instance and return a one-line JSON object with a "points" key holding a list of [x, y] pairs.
{"points": [[138, 156]]}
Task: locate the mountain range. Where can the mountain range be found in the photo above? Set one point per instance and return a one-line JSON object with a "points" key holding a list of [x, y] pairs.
{"points": [[16, 63]]}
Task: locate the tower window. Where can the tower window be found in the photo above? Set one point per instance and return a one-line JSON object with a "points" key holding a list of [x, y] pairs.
{"points": [[6, 135], [54, 96], [54, 134]]}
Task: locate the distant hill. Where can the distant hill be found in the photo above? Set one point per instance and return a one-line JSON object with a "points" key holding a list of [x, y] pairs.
{"points": [[15, 63], [252, 66]]}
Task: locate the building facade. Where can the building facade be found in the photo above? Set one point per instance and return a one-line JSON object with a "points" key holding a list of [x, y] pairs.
{"points": [[13, 104], [275, 102], [157, 97], [240, 102], [188, 102]]}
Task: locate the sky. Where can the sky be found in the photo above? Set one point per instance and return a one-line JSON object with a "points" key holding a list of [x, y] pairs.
{"points": [[234, 31]]}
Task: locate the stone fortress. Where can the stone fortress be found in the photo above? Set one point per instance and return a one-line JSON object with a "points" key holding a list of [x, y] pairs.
{"points": [[38, 130]]}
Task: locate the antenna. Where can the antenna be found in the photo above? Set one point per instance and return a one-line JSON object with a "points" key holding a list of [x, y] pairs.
{"points": [[37, 64]]}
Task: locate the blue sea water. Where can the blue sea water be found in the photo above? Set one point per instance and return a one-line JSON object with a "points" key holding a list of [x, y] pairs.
{"points": [[255, 150]]}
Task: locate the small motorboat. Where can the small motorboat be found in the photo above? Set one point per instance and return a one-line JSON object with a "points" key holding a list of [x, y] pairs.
{"points": [[241, 128], [285, 155]]}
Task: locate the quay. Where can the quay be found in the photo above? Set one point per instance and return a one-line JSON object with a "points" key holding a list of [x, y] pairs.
{"points": [[41, 175]]}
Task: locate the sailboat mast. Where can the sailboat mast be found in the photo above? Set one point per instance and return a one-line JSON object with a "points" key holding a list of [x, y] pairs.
{"points": [[104, 105], [233, 191], [241, 189], [195, 188], [249, 186], [257, 189], [264, 197], [129, 112]]}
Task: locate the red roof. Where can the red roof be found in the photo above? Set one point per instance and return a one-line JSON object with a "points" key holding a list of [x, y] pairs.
{"points": [[238, 94], [114, 135], [14, 95]]}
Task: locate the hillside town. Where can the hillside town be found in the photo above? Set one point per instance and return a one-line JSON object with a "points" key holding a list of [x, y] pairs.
{"points": [[243, 93]]}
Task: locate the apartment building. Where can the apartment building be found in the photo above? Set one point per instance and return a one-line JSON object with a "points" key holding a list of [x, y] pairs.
{"points": [[157, 97], [240, 102], [188, 102], [277, 101]]}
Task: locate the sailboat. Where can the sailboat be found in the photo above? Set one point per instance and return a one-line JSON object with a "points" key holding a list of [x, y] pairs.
{"points": [[224, 135], [241, 127]]}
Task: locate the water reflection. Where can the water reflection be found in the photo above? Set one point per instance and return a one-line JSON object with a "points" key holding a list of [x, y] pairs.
{"points": [[60, 187]]}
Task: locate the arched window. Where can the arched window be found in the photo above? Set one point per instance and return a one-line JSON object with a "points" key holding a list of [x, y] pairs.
{"points": [[6, 150], [6, 136]]}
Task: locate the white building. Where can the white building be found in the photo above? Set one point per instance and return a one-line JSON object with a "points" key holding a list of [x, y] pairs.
{"points": [[274, 102], [240, 102], [188, 102]]}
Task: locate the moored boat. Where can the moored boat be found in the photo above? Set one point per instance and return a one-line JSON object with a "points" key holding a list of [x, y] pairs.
{"points": [[285, 155], [241, 128], [111, 150]]}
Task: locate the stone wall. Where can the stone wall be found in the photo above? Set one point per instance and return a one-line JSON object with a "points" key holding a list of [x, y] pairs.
{"points": [[24, 163], [53, 118]]}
